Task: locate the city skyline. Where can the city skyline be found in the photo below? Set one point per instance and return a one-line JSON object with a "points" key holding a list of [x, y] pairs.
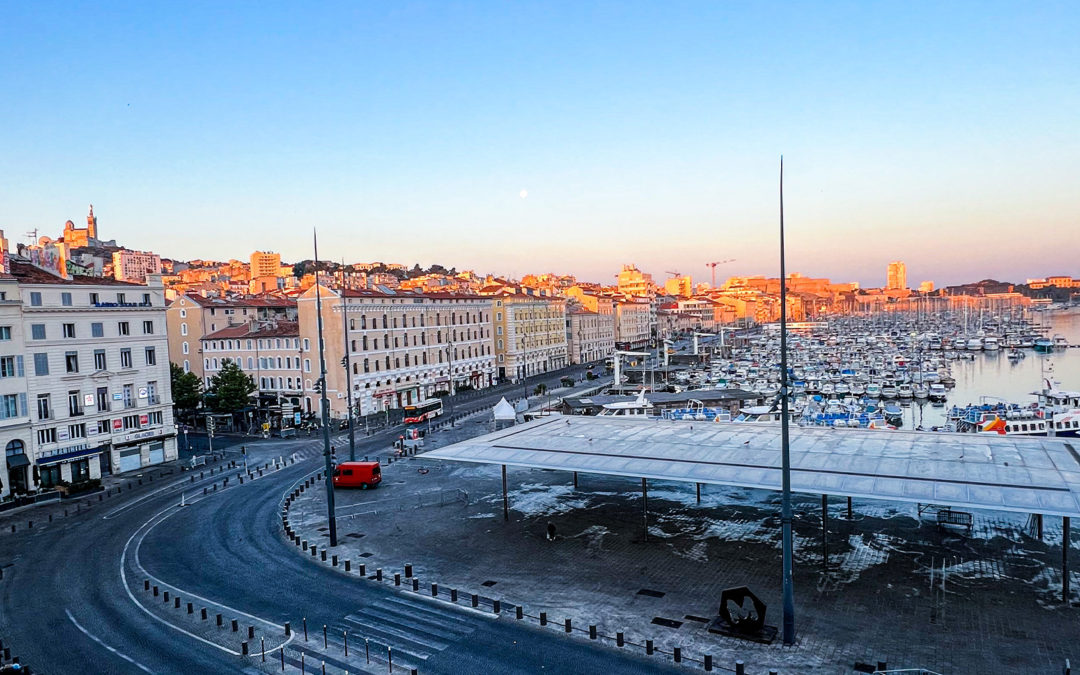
{"points": [[563, 138]]}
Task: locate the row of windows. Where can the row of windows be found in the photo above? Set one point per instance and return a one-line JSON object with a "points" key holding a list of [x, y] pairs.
{"points": [[97, 329], [94, 298], [71, 361], [78, 403], [261, 343], [83, 429], [367, 365], [362, 322], [265, 363], [399, 341]]}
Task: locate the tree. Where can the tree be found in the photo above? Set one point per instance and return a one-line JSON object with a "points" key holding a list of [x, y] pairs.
{"points": [[231, 388], [186, 389]]}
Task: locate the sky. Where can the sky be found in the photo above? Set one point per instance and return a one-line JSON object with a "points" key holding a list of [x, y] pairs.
{"points": [[572, 137]]}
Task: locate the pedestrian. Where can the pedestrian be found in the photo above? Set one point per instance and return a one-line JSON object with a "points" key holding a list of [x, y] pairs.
{"points": [[550, 531]]}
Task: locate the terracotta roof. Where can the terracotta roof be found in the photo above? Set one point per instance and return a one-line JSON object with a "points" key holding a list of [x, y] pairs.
{"points": [[353, 293], [28, 274], [240, 302], [245, 330]]}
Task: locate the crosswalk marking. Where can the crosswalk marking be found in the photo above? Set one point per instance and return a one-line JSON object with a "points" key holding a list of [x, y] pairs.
{"points": [[415, 631]]}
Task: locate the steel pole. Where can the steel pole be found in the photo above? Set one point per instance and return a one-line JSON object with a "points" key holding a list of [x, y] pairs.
{"points": [[785, 450], [325, 415], [348, 366]]}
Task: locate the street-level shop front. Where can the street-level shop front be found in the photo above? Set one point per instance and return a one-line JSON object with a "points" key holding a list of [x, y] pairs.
{"points": [[142, 449]]}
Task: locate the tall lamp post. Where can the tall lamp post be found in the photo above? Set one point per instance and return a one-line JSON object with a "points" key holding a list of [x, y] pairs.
{"points": [[346, 361], [785, 450], [325, 412]]}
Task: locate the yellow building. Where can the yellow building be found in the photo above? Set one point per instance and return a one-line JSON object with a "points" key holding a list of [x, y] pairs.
{"points": [[896, 276], [265, 264], [633, 323], [679, 286], [633, 281], [530, 334]]}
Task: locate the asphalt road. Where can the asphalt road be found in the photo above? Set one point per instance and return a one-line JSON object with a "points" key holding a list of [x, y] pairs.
{"points": [[67, 609]]}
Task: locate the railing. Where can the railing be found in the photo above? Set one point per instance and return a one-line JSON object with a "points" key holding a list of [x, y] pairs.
{"points": [[154, 400]]}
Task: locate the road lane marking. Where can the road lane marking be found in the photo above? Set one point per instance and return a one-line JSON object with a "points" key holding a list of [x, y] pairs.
{"points": [[111, 649]]}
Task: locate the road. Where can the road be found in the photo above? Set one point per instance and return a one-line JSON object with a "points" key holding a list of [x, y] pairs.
{"points": [[72, 595]]}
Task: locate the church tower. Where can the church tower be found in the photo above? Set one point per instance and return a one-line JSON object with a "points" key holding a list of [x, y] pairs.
{"points": [[91, 224]]}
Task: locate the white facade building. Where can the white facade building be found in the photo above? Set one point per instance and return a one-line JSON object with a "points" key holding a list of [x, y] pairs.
{"points": [[97, 375], [135, 266]]}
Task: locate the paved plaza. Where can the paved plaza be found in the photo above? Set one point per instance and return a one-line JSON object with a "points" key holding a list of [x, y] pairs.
{"points": [[898, 589]]}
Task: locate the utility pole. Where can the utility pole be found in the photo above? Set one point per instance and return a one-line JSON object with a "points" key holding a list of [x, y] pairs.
{"points": [[785, 449], [325, 416], [347, 362]]}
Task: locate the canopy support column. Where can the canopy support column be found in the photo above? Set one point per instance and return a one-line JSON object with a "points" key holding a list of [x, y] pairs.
{"points": [[825, 532], [849, 508], [645, 507], [699, 493], [1065, 560], [506, 498], [575, 480]]}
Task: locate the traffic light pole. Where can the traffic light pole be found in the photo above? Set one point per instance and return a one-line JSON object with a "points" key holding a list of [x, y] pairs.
{"points": [[325, 404]]}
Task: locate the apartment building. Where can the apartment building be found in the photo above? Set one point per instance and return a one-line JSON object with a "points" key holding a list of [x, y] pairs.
{"points": [[135, 266], [633, 323], [269, 351], [265, 264], [15, 432], [530, 334], [97, 375], [590, 336], [403, 346], [190, 317]]}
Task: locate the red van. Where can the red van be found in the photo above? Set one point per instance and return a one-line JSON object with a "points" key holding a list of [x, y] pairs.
{"points": [[363, 475]]}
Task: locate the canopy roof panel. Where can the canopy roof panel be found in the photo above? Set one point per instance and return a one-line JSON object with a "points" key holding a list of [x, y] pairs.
{"points": [[1005, 473]]}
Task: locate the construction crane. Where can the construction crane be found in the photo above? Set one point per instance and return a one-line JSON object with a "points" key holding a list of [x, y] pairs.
{"points": [[713, 266], [674, 275]]}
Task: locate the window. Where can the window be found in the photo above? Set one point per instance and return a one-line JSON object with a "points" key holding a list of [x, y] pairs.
{"points": [[148, 327], [65, 299], [41, 364], [131, 422], [44, 407], [97, 329], [183, 329], [103, 399], [104, 426], [250, 362], [125, 358], [307, 344], [69, 330], [94, 299], [187, 366], [146, 298], [7, 366], [123, 328], [46, 436], [99, 359], [307, 365], [35, 298], [184, 347], [37, 331], [151, 393], [151, 356], [71, 361], [183, 314], [77, 430], [5, 333], [74, 403], [9, 405], [156, 418], [120, 299], [129, 396]]}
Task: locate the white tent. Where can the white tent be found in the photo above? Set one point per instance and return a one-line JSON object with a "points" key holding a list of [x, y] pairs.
{"points": [[503, 410]]}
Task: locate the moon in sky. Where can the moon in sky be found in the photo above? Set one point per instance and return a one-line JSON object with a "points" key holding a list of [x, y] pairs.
{"points": [[524, 194]]}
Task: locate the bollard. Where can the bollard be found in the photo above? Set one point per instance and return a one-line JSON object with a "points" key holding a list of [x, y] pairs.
{"points": [[176, 604], [190, 608], [378, 574], [676, 654], [12, 528], [155, 591], [288, 629], [146, 584], [362, 569], [568, 625], [305, 629], [543, 618], [397, 579], [408, 570], [496, 606], [740, 668], [345, 637], [416, 585], [881, 665], [475, 600], [324, 636], [220, 620], [262, 641], [648, 647], [453, 595], [323, 555], [165, 596], [708, 663], [519, 612], [251, 632], [204, 614], [244, 648], [620, 639], [314, 551], [434, 590], [592, 632], [333, 560], [348, 565]]}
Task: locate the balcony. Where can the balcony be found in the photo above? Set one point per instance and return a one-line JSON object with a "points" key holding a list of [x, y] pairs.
{"points": [[153, 399]]}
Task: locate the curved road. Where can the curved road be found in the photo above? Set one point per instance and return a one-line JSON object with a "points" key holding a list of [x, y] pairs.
{"points": [[64, 606]]}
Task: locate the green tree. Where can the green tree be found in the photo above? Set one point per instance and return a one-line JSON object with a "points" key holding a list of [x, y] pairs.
{"points": [[186, 389], [231, 388]]}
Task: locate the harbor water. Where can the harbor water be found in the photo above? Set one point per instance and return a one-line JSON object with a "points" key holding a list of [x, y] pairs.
{"points": [[993, 377]]}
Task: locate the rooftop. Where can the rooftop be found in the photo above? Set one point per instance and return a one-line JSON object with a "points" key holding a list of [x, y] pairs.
{"points": [[256, 330], [29, 274]]}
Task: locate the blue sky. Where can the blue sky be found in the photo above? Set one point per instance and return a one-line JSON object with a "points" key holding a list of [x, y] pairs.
{"points": [[944, 134]]}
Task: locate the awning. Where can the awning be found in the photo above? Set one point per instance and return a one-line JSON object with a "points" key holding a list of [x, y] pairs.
{"points": [[75, 454], [147, 439], [16, 461]]}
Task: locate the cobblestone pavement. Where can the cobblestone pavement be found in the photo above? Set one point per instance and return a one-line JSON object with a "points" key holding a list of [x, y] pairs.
{"points": [[991, 604]]}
